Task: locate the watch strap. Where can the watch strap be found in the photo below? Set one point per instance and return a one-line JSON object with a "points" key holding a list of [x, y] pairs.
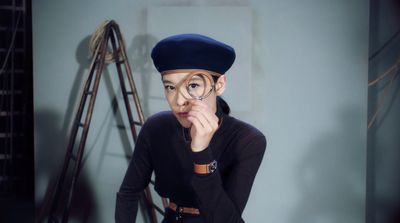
{"points": [[205, 168]]}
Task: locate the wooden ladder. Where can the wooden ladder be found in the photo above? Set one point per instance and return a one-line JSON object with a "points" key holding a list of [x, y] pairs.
{"points": [[111, 35]]}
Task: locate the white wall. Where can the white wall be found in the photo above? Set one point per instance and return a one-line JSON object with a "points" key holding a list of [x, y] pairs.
{"points": [[309, 64]]}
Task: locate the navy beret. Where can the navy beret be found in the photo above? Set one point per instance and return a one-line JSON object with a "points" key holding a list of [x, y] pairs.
{"points": [[192, 51]]}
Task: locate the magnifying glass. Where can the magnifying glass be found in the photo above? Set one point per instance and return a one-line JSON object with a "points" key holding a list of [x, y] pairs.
{"points": [[199, 84]]}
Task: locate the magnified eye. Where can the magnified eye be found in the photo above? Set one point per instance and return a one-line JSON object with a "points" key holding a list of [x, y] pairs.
{"points": [[193, 85], [199, 85]]}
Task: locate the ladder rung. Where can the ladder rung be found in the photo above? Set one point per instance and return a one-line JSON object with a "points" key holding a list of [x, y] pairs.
{"points": [[89, 93], [129, 92], [120, 61], [82, 125], [134, 122], [157, 208], [137, 123]]}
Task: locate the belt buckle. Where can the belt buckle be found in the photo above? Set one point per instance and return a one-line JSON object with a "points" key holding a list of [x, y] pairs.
{"points": [[179, 211]]}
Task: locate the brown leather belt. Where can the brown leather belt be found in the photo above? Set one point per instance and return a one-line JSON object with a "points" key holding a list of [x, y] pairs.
{"points": [[185, 210]]}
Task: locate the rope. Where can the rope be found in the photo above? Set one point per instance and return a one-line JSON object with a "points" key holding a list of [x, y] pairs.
{"points": [[394, 68], [380, 105], [96, 39], [388, 71]]}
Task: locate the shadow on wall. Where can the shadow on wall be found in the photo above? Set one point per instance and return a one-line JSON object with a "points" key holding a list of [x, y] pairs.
{"points": [[83, 59], [142, 68], [331, 175], [142, 65], [51, 148], [50, 153], [117, 114]]}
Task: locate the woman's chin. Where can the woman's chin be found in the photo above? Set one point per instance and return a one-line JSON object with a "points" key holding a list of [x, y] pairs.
{"points": [[184, 122]]}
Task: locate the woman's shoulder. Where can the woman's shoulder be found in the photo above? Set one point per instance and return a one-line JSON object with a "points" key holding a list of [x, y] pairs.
{"points": [[245, 132]]}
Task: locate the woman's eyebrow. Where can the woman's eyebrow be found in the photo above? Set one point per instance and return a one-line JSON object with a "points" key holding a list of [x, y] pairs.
{"points": [[167, 82], [171, 82], [196, 78]]}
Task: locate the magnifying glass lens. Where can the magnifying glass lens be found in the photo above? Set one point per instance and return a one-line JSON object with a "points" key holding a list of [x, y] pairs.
{"points": [[199, 85]]}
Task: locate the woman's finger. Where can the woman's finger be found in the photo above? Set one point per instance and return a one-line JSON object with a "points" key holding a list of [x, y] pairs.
{"points": [[196, 123], [206, 119], [204, 109], [206, 124]]}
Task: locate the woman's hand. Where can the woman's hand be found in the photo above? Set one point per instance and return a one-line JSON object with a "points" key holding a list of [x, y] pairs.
{"points": [[204, 125]]}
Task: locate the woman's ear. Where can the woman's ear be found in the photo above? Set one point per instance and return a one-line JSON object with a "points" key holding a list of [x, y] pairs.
{"points": [[220, 85]]}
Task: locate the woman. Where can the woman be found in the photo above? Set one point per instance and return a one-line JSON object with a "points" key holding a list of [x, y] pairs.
{"points": [[204, 160]]}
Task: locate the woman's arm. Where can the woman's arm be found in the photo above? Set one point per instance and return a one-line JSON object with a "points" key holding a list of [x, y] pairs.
{"points": [[137, 178], [222, 203]]}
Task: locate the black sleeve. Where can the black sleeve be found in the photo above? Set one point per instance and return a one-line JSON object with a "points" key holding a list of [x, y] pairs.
{"points": [[221, 203], [137, 178]]}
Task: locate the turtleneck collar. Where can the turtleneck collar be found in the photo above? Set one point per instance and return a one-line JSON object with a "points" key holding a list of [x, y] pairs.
{"points": [[219, 111]]}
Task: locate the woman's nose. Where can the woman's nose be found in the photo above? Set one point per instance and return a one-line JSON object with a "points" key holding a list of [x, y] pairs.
{"points": [[181, 99]]}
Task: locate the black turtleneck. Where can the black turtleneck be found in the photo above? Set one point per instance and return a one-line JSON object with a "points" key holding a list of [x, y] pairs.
{"points": [[163, 146]]}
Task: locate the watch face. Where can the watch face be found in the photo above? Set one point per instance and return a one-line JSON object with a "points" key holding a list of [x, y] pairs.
{"points": [[213, 166]]}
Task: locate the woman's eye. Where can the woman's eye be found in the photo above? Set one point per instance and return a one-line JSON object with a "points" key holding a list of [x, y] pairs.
{"points": [[193, 85], [169, 87]]}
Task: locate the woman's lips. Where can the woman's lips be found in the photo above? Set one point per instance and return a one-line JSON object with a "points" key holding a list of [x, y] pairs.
{"points": [[183, 114]]}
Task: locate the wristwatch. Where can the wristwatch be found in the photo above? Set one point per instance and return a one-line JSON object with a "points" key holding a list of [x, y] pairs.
{"points": [[205, 168]]}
